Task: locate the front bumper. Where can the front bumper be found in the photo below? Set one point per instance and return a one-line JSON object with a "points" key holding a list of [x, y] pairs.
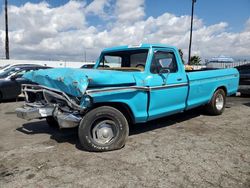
{"points": [[65, 120], [50, 103], [30, 113]]}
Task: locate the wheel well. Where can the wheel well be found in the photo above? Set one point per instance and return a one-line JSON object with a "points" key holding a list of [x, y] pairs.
{"points": [[223, 88], [123, 108]]}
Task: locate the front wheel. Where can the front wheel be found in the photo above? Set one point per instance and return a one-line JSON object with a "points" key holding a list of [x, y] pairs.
{"points": [[103, 129], [217, 104]]}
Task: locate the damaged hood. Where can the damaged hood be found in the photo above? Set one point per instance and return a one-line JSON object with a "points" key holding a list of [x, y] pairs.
{"points": [[75, 81]]}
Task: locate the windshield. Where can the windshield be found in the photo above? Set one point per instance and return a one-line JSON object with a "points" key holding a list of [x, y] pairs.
{"points": [[127, 60], [8, 72], [4, 66]]}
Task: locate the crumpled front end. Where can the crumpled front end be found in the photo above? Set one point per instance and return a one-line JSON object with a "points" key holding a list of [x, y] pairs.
{"points": [[71, 81], [62, 92], [42, 102]]}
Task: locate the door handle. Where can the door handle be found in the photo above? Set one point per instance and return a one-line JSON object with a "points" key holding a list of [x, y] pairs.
{"points": [[179, 79]]}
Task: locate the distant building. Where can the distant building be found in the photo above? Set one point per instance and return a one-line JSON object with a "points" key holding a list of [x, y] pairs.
{"points": [[223, 62], [221, 59]]}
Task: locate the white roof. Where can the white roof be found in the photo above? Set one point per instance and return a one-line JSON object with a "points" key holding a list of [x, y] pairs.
{"points": [[221, 59]]}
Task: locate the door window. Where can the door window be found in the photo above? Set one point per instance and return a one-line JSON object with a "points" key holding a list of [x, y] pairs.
{"points": [[21, 73], [163, 60]]}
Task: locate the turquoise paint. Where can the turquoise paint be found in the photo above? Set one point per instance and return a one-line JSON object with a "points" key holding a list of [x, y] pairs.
{"points": [[75, 81], [169, 100], [146, 104], [204, 83], [71, 81], [135, 100]]}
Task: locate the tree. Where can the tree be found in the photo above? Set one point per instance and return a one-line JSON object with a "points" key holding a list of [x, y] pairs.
{"points": [[195, 60], [181, 54]]}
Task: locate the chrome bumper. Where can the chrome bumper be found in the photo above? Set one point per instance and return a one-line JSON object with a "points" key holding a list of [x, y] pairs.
{"points": [[30, 113], [65, 120], [46, 106]]}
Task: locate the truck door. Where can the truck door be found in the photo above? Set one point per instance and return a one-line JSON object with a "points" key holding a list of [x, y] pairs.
{"points": [[168, 85]]}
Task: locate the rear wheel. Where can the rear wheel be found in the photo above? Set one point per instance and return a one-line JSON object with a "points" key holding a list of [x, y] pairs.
{"points": [[217, 104], [52, 122], [103, 129]]}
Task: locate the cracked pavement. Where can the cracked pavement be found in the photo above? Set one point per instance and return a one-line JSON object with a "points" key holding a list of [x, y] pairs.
{"points": [[190, 149]]}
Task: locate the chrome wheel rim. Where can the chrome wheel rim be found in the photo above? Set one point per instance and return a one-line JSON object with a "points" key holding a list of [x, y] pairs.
{"points": [[103, 132], [219, 102]]}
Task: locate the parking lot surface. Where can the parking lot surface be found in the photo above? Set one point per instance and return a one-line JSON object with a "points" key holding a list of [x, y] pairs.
{"points": [[190, 149]]}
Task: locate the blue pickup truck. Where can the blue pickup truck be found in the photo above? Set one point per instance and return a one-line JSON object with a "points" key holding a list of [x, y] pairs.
{"points": [[127, 85]]}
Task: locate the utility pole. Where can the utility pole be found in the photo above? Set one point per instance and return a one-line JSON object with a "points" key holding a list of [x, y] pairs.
{"points": [[7, 55], [191, 32]]}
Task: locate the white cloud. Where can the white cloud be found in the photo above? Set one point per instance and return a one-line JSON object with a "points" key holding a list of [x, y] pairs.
{"points": [[38, 31], [129, 11], [97, 7]]}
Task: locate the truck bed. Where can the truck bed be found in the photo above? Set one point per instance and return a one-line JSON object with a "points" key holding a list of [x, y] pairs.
{"points": [[202, 69], [203, 83]]}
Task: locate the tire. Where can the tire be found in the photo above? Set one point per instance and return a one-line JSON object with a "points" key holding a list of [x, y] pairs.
{"points": [[51, 121], [217, 104], [103, 129]]}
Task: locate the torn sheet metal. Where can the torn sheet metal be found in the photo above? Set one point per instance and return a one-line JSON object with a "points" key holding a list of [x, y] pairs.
{"points": [[75, 81], [70, 81]]}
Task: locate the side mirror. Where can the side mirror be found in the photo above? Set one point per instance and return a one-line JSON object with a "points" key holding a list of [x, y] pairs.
{"points": [[164, 70], [164, 77]]}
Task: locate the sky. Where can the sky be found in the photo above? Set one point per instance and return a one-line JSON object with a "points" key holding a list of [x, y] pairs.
{"points": [[65, 30]]}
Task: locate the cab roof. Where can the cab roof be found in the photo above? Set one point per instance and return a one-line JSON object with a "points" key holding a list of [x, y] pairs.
{"points": [[139, 46]]}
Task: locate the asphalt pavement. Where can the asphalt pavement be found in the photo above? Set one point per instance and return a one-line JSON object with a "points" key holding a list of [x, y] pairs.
{"points": [[191, 149]]}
